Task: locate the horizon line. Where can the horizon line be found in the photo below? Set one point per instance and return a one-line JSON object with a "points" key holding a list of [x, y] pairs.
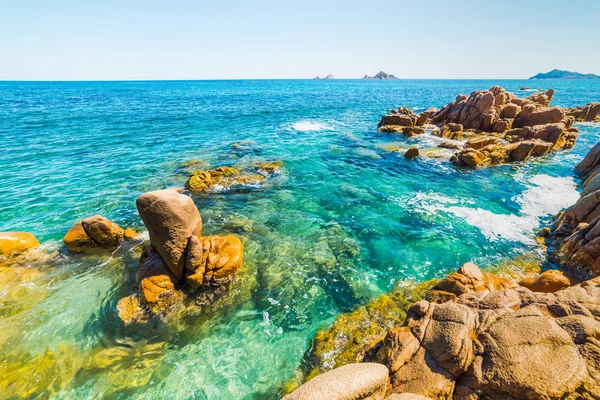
{"points": [[273, 79]]}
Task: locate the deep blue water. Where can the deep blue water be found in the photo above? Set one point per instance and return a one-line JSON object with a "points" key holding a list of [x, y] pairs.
{"points": [[343, 221]]}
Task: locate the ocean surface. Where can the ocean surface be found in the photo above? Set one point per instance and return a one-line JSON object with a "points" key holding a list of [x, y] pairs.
{"points": [[343, 221]]}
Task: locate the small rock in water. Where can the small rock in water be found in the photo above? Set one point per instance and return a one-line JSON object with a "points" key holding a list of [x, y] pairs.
{"points": [[411, 153]]}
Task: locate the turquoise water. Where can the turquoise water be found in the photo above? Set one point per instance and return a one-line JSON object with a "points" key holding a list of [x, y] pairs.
{"points": [[342, 222]]}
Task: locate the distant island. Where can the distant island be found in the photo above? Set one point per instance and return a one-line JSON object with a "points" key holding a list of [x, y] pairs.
{"points": [[380, 75], [560, 74], [329, 76]]}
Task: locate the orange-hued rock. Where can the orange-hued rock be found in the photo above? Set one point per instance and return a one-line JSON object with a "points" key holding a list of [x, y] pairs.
{"points": [[501, 116], [155, 282], [450, 131], [103, 231], [130, 234], [93, 232], [221, 258], [467, 279], [16, 242], [548, 281], [481, 142], [130, 310], [77, 239]]}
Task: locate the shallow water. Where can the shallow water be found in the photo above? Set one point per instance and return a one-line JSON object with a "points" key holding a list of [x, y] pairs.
{"points": [[340, 224]]}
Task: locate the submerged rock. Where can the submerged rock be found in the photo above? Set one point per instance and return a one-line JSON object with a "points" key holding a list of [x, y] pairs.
{"points": [[13, 243], [96, 232], [226, 177]]}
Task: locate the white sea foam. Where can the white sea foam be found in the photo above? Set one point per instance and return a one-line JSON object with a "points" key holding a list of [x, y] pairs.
{"points": [[545, 196], [306, 126]]}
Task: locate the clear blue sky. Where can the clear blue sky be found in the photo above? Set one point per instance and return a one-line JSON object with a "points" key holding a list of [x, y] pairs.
{"points": [[227, 39]]}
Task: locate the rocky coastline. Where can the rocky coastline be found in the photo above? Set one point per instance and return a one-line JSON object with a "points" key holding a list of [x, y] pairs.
{"points": [[475, 335], [532, 331]]}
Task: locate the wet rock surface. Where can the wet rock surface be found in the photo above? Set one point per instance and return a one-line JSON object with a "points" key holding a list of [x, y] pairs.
{"points": [[14, 243], [96, 232], [224, 177], [499, 126]]}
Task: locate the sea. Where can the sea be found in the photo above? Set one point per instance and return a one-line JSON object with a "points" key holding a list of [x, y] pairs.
{"points": [[342, 221]]}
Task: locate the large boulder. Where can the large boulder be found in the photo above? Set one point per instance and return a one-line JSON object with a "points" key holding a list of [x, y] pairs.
{"points": [[590, 162], [580, 250], [506, 343], [365, 381], [171, 219], [95, 232], [12, 243], [532, 116]]}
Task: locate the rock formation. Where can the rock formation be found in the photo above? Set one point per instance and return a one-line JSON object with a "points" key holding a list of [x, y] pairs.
{"points": [[588, 113], [223, 177], [576, 232], [14, 243], [179, 262], [477, 335], [514, 344], [480, 336], [499, 126], [96, 232], [381, 75]]}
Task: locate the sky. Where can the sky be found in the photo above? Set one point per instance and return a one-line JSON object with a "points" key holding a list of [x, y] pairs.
{"points": [[245, 39]]}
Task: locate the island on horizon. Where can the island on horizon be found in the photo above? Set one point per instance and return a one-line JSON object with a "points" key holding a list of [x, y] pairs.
{"points": [[380, 75], [329, 76], [563, 74]]}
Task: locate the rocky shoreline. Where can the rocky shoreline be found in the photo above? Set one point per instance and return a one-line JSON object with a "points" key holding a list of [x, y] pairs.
{"points": [[478, 335]]}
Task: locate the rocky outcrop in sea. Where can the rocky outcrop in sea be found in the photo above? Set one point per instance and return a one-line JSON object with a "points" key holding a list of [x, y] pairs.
{"points": [[494, 126], [179, 262]]}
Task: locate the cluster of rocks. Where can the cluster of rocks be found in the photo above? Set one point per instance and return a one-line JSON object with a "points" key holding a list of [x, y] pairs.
{"points": [[588, 113], [478, 335], [575, 235], [501, 127], [96, 232], [179, 261], [225, 176]]}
